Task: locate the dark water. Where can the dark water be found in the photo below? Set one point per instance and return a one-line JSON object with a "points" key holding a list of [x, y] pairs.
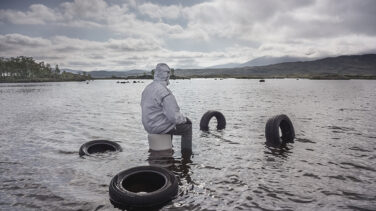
{"points": [[331, 165]]}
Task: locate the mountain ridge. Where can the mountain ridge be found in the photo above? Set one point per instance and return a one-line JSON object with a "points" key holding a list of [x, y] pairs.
{"points": [[109, 73], [361, 65], [263, 61]]}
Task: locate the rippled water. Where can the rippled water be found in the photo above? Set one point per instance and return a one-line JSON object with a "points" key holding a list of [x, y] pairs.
{"points": [[331, 165]]}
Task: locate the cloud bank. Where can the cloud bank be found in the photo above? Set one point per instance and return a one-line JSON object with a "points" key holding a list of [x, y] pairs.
{"points": [[98, 34]]}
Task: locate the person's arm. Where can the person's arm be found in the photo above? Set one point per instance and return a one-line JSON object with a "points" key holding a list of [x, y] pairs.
{"points": [[172, 110]]}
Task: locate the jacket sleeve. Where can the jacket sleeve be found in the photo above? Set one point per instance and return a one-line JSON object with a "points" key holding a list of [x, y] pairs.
{"points": [[172, 110]]}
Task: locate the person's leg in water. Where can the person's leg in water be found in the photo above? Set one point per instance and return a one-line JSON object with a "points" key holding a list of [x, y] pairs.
{"points": [[185, 130]]}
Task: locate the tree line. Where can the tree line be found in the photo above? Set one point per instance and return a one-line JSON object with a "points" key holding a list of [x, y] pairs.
{"points": [[26, 69]]}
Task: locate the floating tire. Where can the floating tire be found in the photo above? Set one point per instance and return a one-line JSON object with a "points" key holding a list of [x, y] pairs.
{"points": [[273, 136], [205, 119], [99, 146], [143, 187]]}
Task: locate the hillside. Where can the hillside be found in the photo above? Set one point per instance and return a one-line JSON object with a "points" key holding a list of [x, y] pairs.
{"points": [[270, 60], [350, 66], [262, 61], [109, 74]]}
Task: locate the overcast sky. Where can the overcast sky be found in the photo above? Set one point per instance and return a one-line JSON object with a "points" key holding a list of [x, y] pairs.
{"points": [[128, 34]]}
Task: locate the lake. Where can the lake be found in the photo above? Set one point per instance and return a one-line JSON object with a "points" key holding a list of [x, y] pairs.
{"points": [[331, 165]]}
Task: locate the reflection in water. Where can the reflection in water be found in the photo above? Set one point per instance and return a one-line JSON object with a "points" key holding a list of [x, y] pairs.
{"points": [[180, 166], [332, 161], [165, 159], [282, 152], [217, 134], [161, 158]]}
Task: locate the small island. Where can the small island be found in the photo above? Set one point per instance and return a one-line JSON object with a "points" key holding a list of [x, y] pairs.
{"points": [[23, 69]]}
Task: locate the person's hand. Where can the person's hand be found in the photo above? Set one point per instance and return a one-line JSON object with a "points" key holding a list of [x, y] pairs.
{"points": [[187, 121]]}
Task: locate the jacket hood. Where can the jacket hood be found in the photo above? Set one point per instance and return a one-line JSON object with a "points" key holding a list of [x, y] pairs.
{"points": [[162, 72]]}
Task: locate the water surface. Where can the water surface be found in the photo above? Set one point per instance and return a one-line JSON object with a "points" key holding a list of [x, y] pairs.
{"points": [[331, 165]]}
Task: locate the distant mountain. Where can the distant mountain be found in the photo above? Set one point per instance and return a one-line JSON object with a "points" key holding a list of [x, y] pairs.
{"points": [[108, 73], [269, 60], [362, 65], [229, 65], [262, 61]]}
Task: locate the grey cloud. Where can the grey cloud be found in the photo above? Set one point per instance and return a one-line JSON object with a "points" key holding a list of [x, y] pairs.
{"points": [[157, 11], [18, 40], [354, 16], [328, 19], [235, 19], [37, 14], [97, 57], [138, 57], [79, 13], [84, 63], [187, 34], [66, 49], [131, 44], [92, 9], [123, 62]]}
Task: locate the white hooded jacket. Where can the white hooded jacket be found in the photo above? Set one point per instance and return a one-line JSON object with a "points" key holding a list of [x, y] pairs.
{"points": [[160, 111]]}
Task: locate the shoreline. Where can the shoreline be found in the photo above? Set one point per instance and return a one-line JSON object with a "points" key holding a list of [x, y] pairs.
{"points": [[318, 77], [39, 80]]}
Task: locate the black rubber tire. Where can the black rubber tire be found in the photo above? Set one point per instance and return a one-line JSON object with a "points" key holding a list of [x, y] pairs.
{"points": [[96, 146], [124, 197], [273, 138], [205, 119]]}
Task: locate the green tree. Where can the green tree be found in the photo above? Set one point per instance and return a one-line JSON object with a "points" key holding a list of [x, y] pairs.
{"points": [[2, 67], [24, 68], [57, 70]]}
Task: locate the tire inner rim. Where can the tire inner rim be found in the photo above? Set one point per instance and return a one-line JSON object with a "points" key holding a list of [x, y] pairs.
{"points": [[100, 148], [144, 182]]}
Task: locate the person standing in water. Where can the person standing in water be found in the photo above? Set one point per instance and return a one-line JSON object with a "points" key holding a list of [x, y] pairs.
{"points": [[160, 111]]}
